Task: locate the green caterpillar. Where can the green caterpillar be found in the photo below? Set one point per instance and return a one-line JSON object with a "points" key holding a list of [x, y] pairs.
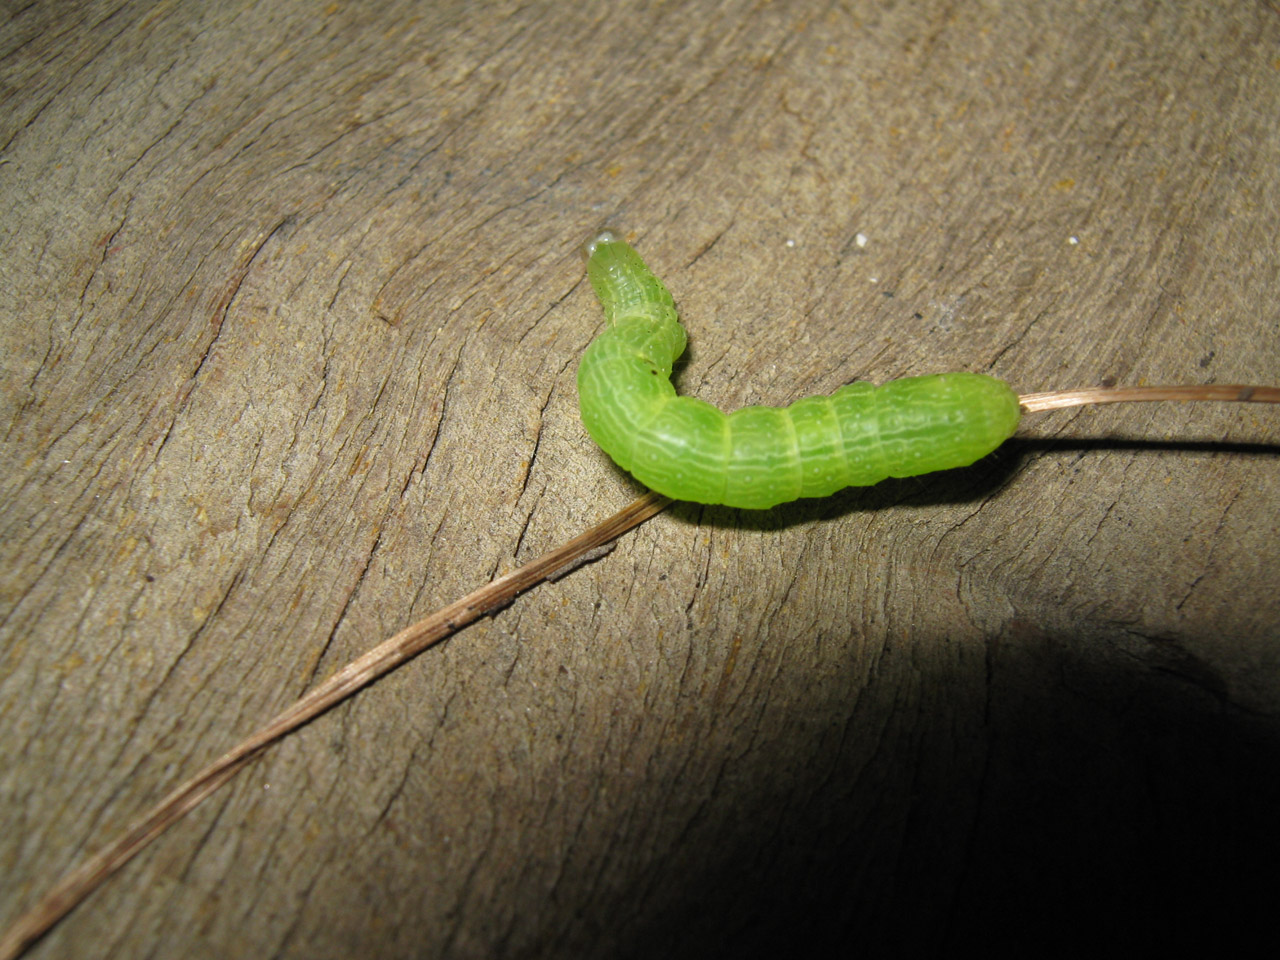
{"points": [[761, 456]]}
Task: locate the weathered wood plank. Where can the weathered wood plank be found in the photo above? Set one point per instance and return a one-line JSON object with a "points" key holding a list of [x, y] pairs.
{"points": [[292, 311]]}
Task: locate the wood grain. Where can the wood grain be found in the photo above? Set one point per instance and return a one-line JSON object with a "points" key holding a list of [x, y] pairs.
{"points": [[292, 314]]}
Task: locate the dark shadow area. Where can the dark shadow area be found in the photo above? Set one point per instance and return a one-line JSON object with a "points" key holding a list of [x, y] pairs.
{"points": [[1118, 814]]}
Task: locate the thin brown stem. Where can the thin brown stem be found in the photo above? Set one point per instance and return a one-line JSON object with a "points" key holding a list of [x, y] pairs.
{"points": [[382, 659], [389, 654], [1056, 399]]}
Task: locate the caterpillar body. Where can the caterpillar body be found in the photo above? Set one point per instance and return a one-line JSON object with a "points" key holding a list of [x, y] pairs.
{"points": [[758, 456]]}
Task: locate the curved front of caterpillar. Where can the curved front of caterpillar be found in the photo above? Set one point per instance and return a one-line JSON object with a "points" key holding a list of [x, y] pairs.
{"points": [[761, 456]]}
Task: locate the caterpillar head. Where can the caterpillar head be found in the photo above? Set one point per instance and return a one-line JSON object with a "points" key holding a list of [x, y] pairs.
{"points": [[605, 235]]}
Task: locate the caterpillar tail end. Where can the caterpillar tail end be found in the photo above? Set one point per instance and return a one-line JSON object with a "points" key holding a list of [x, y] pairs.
{"points": [[602, 236]]}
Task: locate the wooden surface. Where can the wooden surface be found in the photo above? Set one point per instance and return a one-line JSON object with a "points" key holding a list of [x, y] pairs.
{"points": [[292, 308]]}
